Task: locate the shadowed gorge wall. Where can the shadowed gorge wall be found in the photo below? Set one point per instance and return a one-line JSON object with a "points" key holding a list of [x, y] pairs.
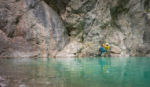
{"points": [[58, 5]]}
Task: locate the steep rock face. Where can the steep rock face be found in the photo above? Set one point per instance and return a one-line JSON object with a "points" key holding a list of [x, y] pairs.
{"points": [[30, 28], [123, 23]]}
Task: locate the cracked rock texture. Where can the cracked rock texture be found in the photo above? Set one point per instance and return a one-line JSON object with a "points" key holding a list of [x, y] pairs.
{"points": [[74, 28], [125, 24], [30, 28]]}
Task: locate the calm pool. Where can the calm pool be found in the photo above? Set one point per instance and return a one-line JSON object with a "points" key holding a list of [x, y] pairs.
{"points": [[73, 72]]}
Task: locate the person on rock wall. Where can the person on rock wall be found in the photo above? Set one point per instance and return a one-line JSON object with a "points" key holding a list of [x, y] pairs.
{"points": [[104, 48]]}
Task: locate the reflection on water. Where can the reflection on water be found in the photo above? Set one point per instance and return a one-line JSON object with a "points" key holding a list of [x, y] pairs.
{"points": [[105, 64], [72, 72]]}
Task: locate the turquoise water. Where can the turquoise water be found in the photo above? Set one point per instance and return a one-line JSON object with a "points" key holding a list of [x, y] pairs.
{"points": [[73, 72]]}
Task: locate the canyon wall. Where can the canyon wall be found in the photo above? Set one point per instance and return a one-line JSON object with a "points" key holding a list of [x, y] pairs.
{"points": [[30, 28], [74, 28]]}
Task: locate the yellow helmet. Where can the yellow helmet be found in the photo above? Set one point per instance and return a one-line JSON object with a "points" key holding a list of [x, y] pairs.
{"points": [[106, 46]]}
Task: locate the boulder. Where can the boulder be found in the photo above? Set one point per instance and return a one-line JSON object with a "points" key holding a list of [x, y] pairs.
{"points": [[71, 50], [115, 49]]}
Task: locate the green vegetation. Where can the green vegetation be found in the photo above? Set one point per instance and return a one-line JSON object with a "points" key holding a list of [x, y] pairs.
{"points": [[80, 50], [52, 3], [58, 5], [118, 9], [80, 27], [86, 7], [70, 27], [82, 38], [148, 10], [147, 5], [115, 11], [104, 25]]}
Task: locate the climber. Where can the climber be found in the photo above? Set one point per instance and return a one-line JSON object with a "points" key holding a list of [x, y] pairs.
{"points": [[104, 48]]}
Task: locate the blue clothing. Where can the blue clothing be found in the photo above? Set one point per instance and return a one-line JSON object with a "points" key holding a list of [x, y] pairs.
{"points": [[102, 50]]}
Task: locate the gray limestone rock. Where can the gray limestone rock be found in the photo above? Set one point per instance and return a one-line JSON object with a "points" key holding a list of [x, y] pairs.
{"points": [[123, 23], [30, 29]]}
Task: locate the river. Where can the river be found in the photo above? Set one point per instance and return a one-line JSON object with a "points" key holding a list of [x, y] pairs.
{"points": [[75, 72]]}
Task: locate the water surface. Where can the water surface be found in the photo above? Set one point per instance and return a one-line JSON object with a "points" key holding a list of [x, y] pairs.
{"points": [[73, 72]]}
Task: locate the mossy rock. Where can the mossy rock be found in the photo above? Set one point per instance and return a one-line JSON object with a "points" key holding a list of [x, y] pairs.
{"points": [[119, 8], [147, 5], [77, 29], [58, 5], [86, 7], [104, 25]]}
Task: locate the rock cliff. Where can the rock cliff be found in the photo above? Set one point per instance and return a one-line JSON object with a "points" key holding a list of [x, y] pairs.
{"points": [[30, 28], [122, 23], [74, 28]]}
